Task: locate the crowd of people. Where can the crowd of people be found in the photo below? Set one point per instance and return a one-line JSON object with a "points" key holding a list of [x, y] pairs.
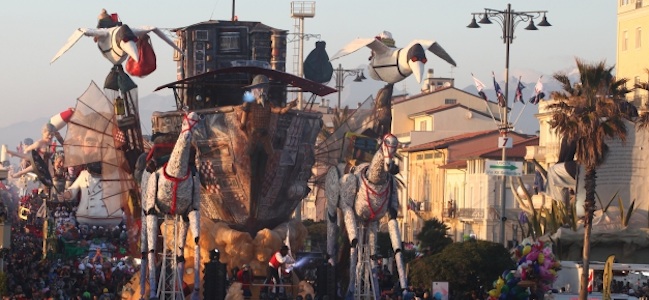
{"points": [[80, 261]]}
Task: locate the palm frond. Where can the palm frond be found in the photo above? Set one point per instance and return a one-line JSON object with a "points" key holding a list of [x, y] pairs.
{"points": [[627, 218], [605, 207], [620, 206]]}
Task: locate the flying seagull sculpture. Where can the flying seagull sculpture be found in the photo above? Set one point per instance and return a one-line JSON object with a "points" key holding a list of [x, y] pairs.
{"points": [[391, 64], [116, 41]]}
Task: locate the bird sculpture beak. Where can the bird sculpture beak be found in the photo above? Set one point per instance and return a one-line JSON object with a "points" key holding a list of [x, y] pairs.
{"points": [[130, 47], [417, 68]]}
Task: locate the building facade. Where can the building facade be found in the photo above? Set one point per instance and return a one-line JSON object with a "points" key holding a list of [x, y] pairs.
{"points": [[632, 45]]}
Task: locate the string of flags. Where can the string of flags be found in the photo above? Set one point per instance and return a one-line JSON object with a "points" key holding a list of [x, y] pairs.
{"points": [[538, 92], [518, 96], [502, 102]]}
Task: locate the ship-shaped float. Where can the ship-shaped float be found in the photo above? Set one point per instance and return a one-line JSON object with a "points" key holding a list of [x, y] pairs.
{"points": [[246, 186]]}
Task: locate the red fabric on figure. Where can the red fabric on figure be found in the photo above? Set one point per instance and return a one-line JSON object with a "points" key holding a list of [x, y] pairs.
{"points": [[147, 60]]}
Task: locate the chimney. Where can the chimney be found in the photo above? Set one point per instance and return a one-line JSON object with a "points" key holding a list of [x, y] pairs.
{"points": [[428, 83]]}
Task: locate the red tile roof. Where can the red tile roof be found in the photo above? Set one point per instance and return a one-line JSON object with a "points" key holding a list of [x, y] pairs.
{"points": [[517, 151], [396, 101], [446, 107], [444, 143]]}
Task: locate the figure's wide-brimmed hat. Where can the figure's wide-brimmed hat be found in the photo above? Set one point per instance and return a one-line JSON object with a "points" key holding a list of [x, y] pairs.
{"points": [[258, 81]]}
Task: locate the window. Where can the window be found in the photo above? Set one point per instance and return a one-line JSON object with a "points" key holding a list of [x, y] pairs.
{"points": [[199, 58], [625, 40], [638, 3], [423, 126], [229, 42], [450, 101], [638, 37], [201, 35]]}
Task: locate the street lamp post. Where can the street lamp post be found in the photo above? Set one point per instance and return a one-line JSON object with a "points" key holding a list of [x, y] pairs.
{"points": [[341, 74], [508, 19]]}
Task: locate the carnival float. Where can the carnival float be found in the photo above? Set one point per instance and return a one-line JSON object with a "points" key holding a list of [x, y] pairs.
{"points": [[233, 161]]}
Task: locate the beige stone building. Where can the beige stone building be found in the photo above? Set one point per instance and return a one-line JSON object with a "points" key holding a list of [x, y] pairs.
{"points": [[632, 61], [447, 135]]}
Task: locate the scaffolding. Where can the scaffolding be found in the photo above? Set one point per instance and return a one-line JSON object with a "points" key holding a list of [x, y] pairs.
{"points": [[170, 282], [299, 11], [366, 284]]}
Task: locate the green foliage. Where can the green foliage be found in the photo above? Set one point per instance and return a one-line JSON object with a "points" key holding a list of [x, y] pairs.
{"points": [[542, 221], [590, 112], [626, 217], [433, 236], [467, 266]]}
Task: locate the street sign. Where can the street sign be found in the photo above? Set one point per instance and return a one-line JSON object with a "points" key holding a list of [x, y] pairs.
{"points": [[507, 168], [505, 142]]}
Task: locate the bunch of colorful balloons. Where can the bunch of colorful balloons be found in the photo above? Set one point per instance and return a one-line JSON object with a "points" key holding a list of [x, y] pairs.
{"points": [[536, 269], [506, 287], [536, 263]]}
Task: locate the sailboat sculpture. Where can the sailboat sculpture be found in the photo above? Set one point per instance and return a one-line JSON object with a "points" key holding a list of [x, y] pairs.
{"points": [[93, 139]]}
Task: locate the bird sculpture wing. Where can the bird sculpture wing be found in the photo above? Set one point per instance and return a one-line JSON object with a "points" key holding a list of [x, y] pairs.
{"points": [[76, 35], [377, 46], [436, 48], [141, 31]]}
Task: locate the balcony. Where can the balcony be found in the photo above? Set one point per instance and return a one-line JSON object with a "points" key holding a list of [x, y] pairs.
{"points": [[470, 213]]}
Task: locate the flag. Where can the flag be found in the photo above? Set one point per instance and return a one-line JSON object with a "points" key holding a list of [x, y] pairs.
{"points": [[502, 102], [608, 276], [538, 92], [412, 205], [480, 86], [519, 92]]}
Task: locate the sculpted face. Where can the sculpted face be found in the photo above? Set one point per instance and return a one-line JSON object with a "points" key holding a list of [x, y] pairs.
{"points": [[389, 148]]}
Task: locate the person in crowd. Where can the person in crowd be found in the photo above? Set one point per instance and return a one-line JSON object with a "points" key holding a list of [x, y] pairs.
{"points": [[245, 277], [278, 260]]}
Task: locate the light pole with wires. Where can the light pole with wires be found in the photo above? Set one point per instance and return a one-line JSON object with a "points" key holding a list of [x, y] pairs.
{"points": [[508, 19], [341, 74]]}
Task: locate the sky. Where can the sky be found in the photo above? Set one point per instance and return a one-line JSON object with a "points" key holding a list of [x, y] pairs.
{"points": [[35, 30]]}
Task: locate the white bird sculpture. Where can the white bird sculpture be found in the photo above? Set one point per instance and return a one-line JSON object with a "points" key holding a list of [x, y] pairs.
{"points": [[391, 64], [116, 43]]}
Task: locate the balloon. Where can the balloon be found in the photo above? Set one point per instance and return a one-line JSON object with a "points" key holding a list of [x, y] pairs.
{"points": [[541, 258], [522, 217], [494, 293], [505, 274], [527, 249], [499, 283], [512, 282], [504, 290]]}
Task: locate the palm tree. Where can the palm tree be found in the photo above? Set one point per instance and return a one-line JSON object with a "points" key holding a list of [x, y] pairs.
{"points": [[590, 112], [643, 120]]}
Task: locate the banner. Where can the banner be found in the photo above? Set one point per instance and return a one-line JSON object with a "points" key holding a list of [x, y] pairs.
{"points": [[608, 277]]}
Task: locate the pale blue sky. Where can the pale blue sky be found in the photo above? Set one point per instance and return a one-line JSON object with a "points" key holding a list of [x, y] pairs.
{"points": [[35, 30]]}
